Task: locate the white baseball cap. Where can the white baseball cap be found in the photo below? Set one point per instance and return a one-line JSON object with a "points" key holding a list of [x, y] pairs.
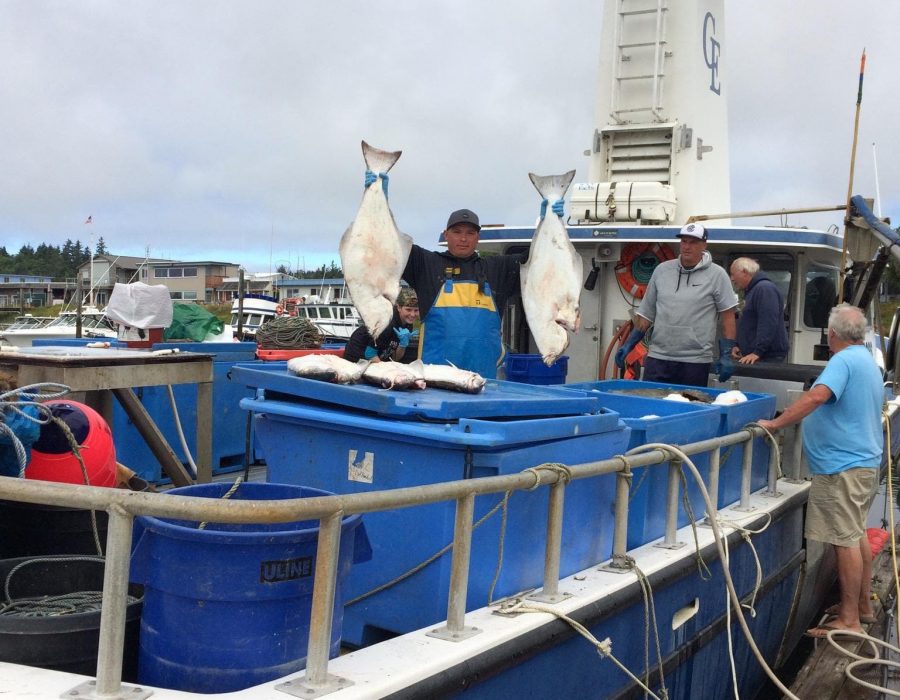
{"points": [[694, 231]]}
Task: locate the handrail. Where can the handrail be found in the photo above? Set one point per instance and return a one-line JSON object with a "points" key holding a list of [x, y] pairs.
{"points": [[123, 506]]}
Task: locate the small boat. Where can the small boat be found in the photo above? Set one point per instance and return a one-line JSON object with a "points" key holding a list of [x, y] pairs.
{"points": [[249, 313], [94, 324], [27, 321], [335, 320]]}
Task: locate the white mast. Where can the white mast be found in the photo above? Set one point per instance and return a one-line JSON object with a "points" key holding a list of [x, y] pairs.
{"points": [[661, 101]]}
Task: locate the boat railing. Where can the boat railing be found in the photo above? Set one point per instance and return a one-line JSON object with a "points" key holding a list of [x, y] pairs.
{"points": [[123, 506]]}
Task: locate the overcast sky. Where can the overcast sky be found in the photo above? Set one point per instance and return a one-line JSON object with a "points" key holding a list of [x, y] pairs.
{"points": [[230, 130]]}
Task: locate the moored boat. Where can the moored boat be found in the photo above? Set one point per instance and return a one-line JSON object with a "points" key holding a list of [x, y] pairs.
{"points": [[94, 324]]}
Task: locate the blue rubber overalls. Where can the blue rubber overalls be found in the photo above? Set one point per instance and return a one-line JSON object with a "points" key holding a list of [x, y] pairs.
{"points": [[463, 327]]}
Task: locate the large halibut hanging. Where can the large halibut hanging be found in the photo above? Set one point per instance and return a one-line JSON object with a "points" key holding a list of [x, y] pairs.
{"points": [[373, 251], [551, 279]]}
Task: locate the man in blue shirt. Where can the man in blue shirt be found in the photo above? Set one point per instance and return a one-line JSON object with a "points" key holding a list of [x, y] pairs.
{"points": [[843, 441]]}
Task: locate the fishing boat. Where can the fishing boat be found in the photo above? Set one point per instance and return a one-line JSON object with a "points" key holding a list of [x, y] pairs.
{"points": [[336, 320], [250, 312], [94, 324], [531, 540]]}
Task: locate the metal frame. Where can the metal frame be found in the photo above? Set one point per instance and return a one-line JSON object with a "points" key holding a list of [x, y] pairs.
{"points": [[123, 506]]}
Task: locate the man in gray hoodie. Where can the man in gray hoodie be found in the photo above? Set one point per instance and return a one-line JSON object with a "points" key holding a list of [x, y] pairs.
{"points": [[684, 300]]}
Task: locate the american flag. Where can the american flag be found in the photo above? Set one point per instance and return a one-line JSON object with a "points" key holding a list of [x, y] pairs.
{"points": [[89, 220]]}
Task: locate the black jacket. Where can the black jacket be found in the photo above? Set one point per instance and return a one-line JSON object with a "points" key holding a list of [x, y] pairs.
{"points": [[386, 344]]}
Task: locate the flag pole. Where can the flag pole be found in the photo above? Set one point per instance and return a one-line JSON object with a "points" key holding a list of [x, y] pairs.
{"points": [[862, 71]]}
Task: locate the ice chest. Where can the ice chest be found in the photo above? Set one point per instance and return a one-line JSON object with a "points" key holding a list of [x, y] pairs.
{"points": [[671, 422], [623, 201], [732, 418], [353, 451]]}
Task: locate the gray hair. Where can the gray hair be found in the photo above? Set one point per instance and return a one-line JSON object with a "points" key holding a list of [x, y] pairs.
{"points": [[848, 323], [748, 265]]}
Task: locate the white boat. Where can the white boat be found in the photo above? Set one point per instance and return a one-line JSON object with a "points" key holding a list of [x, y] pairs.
{"points": [[249, 313], [335, 320], [94, 324]]}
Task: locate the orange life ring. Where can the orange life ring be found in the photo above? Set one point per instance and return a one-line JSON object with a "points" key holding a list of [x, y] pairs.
{"points": [[636, 264]]}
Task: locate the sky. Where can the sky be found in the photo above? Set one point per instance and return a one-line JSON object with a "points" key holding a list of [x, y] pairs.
{"points": [[226, 130]]}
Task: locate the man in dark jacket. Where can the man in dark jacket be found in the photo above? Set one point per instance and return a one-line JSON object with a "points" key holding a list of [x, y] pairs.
{"points": [[761, 335], [398, 342], [462, 297]]}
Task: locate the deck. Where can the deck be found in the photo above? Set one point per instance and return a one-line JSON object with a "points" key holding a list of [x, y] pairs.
{"points": [[822, 676]]}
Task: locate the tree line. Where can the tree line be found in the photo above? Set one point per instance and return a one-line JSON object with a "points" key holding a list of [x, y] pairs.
{"points": [[58, 262]]}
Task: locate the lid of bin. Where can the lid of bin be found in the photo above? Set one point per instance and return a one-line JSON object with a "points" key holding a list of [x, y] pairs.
{"points": [[498, 400]]}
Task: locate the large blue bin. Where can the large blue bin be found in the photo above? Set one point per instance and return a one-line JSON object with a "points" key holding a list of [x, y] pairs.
{"points": [[349, 451], [670, 422], [530, 369], [733, 417], [229, 425], [228, 607]]}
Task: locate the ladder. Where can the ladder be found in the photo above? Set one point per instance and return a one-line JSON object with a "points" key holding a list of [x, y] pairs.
{"points": [[649, 97]]}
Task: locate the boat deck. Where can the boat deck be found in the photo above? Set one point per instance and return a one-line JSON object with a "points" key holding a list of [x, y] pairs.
{"points": [[823, 675]]}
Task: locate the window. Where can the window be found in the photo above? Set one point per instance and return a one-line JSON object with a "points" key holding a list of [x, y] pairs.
{"points": [[819, 296], [175, 272], [188, 296]]}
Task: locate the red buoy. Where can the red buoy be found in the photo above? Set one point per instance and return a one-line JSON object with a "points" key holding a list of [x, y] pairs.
{"points": [[52, 458]]}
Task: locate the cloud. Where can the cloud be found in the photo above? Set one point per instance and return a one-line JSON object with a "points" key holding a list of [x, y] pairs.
{"points": [[231, 130]]}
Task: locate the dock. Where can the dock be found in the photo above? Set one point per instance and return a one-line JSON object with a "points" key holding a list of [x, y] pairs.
{"points": [[823, 676]]}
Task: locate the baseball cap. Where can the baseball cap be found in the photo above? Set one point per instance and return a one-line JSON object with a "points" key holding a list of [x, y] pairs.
{"points": [[407, 297], [463, 216], [693, 230]]}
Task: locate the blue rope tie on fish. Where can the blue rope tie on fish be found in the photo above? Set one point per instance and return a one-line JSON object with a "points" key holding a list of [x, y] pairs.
{"points": [[558, 207], [371, 177]]}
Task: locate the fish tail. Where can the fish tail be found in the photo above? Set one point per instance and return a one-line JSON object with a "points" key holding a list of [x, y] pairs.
{"points": [[552, 187], [379, 161]]}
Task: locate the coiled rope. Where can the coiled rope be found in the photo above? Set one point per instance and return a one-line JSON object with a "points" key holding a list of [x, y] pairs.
{"points": [[74, 603], [288, 333]]}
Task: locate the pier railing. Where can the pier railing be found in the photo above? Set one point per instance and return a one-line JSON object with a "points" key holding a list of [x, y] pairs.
{"points": [[122, 507]]}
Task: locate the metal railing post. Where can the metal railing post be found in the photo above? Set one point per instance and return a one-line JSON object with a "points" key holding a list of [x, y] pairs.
{"points": [[715, 464], [797, 445], [670, 541], [110, 650], [619, 563], [556, 499], [455, 630], [746, 474], [772, 486]]}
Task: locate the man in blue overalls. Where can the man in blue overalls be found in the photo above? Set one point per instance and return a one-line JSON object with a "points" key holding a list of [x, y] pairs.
{"points": [[462, 297]]}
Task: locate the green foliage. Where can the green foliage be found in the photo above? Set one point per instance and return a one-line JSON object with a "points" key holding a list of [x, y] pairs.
{"points": [[47, 260]]}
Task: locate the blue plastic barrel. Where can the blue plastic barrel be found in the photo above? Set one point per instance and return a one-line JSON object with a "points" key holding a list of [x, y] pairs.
{"points": [[228, 607]]}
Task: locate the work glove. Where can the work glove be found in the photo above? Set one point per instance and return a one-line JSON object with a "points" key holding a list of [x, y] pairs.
{"points": [[403, 336], [633, 339], [559, 207], [370, 353], [370, 178], [414, 335], [724, 366]]}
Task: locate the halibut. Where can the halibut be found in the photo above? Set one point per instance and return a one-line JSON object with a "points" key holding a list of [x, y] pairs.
{"points": [[373, 251], [551, 279]]}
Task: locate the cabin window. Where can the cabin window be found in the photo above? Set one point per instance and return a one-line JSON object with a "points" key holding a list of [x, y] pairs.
{"points": [[313, 313], [324, 312], [820, 295]]}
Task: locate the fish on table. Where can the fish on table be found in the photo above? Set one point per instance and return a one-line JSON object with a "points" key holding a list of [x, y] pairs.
{"points": [[395, 375], [373, 251], [551, 279], [326, 368], [453, 379]]}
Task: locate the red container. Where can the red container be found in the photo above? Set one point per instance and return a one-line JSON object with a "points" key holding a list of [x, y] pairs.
{"points": [[288, 354]]}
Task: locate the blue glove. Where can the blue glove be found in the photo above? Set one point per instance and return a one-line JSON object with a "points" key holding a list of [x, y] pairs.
{"points": [[543, 208], [370, 178], [414, 335], [370, 353], [403, 336], [633, 339], [724, 366], [559, 207]]}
